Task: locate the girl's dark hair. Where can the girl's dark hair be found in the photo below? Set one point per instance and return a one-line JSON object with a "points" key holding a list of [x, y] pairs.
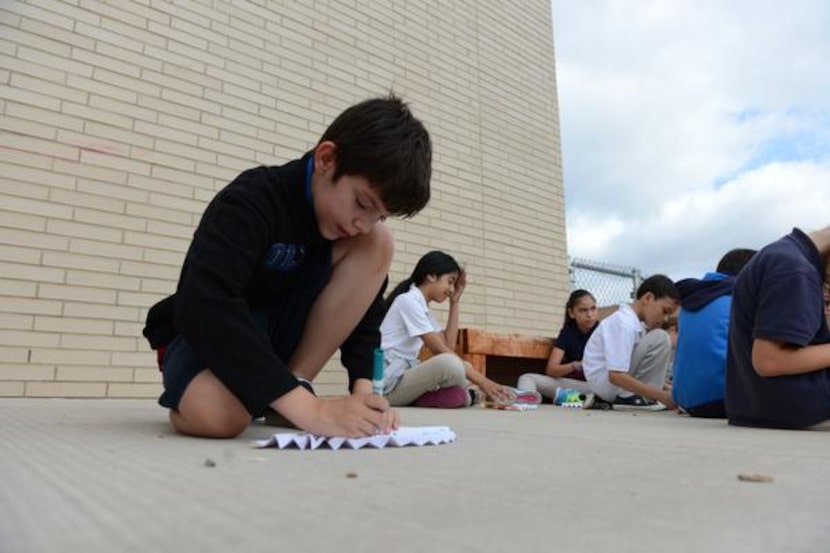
{"points": [[433, 263], [575, 296], [381, 140]]}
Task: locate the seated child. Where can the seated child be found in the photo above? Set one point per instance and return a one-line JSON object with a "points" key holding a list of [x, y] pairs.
{"points": [[564, 368], [285, 266], [778, 359], [441, 380], [626, 364], [700, 357]]}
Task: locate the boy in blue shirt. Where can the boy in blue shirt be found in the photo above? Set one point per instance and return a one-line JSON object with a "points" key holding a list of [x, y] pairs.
{"points": [[286, 265], [778, 361], [703, 328]]}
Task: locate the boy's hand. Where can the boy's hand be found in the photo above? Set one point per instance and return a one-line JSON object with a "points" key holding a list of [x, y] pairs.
{"points": [[364, 386], [665, 398], [352, 416]]}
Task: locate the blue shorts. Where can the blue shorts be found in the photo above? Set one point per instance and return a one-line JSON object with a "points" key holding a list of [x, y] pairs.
{"points": [[283, 321]]}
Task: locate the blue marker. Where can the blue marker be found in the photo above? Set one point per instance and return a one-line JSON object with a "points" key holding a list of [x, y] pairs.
{"points": [[377, 372]]}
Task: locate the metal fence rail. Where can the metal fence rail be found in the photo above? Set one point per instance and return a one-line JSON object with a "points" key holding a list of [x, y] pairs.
{"points": [[610, 284]]}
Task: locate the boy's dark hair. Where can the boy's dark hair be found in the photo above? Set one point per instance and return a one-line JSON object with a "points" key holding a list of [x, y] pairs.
{"points": [[381, 140], [734, 260], [660, 286], [575, 296], [432, 263]]}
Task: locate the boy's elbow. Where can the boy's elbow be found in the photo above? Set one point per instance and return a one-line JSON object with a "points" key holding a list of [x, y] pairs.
{"points": [[766, 358], [614, 377]]}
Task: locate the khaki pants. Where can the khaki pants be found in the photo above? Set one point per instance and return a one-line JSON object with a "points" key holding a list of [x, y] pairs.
{"points": [[442, 371]]}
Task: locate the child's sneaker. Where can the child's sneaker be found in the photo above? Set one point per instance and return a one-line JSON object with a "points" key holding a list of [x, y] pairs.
{"points": [[638, 402], [525, 397], [593, 401], [569, 397], [450, 397]]}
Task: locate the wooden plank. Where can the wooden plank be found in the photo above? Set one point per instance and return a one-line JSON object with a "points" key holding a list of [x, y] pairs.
{"points": [[476, 341]]}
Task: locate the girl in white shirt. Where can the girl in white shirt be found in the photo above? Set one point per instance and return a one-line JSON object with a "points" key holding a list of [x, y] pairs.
{"points": [[441, 380]]}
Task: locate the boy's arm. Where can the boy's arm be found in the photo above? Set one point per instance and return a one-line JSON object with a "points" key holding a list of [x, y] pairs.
{"points": [[627, 382], [211, 310], [772, 358]]}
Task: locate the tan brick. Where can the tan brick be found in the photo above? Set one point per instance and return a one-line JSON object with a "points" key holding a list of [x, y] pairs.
{"points": [[19, 142], [80, 230], [148, 270], [93, 374], [26, 372], [11, 389], [176, 121], [128, 329], [134, 390], [144, 358], [22, 189], [107, 280], [117, 134], [73, 325], [37, 70], [48, 27], [106, 178], [147, 375], [154, 212], [102, 159], [76, 293], [31, 272], [16, 254], [100, 61], [82, 200], [28, 338], [106, 219], [104, 249], [97, 311], [65, 389], [35, 207], [21, 37], [95, 114], [13, 321]]}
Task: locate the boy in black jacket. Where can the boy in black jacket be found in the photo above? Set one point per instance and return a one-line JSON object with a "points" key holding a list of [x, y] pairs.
{"points": [[287, 264]]}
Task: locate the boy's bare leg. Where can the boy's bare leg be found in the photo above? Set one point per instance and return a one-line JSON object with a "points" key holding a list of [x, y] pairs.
{"points": [[209, 410], [360, 265]]}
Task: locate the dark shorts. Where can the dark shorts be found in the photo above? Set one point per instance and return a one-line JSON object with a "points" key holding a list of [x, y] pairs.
{"points": [[283, 321]]}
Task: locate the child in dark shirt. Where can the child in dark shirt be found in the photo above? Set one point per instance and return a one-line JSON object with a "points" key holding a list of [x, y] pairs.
{"points": [[288, 264], [778, 359], [564, 367]]}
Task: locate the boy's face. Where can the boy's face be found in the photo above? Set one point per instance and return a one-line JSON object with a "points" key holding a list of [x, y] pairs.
{"points": [[346, 208], [657, 310]]}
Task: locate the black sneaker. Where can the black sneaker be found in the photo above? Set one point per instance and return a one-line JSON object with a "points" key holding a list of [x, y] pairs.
{"points": [[593, 401], [638, 402], [272, 418]]}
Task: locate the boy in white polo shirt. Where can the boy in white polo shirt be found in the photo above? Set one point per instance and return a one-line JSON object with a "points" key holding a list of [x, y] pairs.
{"points": [[627, 356]]}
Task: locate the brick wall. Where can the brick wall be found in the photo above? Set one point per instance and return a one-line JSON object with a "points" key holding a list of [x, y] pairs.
{"points": [[120, 120]]}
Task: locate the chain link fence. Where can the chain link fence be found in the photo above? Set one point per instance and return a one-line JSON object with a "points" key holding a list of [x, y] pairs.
{"points": [[609, 284]]}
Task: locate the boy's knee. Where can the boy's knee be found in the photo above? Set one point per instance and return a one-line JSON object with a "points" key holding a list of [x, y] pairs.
{"points": [[371, 252], [211, 424], [658, 338]]}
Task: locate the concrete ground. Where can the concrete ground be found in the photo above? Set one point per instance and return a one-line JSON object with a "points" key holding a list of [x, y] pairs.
{"points": [[109, 475]]}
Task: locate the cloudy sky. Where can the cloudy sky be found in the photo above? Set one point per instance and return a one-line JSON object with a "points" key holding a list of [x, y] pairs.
{"points": [[690, 127]]}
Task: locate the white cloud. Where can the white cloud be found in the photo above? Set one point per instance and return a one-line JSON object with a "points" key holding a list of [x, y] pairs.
{"points": [[691, 127]]}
